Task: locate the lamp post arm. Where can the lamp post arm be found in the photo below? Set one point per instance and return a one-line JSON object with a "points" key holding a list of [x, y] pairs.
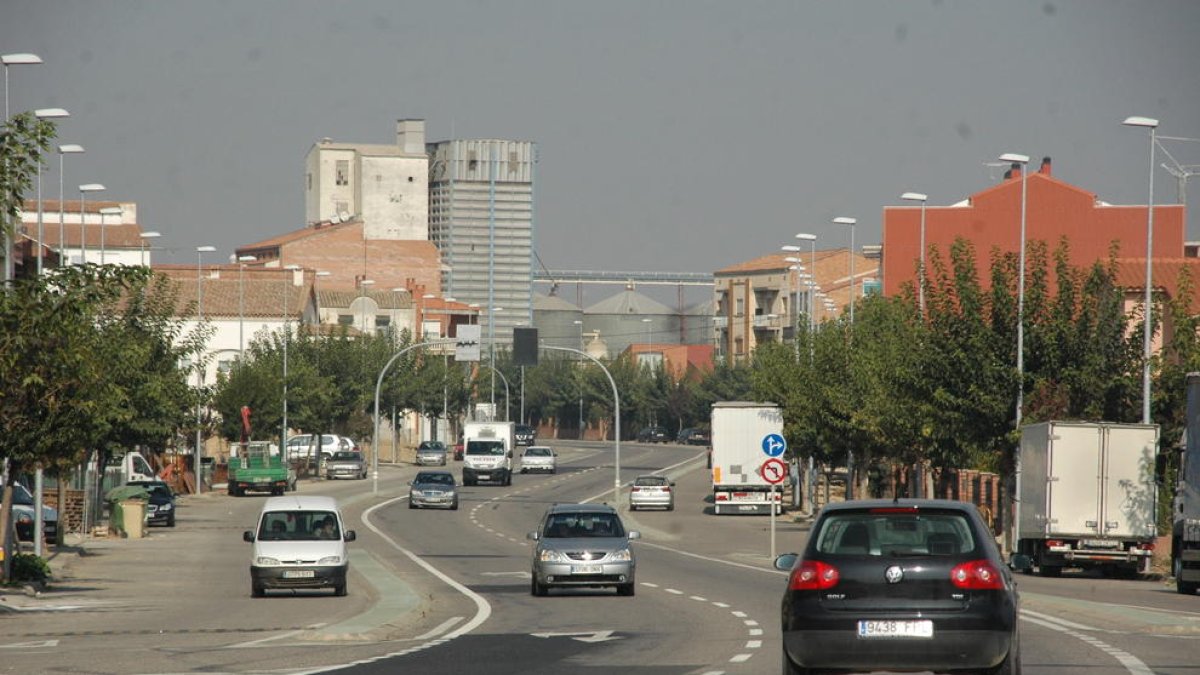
{"points": [[616, 418]]}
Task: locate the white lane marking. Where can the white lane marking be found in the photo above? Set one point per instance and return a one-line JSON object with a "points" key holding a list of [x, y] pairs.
{"points": [[750, 622], [255, 643], [582, 636], [649, 585], [1065, 623], [740, 658], [1132, 663], [699, 599], [740, 615], [441, 628], [662, 470], [753, 644], [697, 556], [30, 645], [721, 605], [672, 591], [756, 631]]}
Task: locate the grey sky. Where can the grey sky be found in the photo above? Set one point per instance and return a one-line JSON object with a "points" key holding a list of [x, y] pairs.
{"points": [[672, 135]]}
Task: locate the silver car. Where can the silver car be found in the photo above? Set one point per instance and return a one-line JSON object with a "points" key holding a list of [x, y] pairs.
{"points": [[656, 491], [431, 453], [433, 489], [583, 545], [539, 458], [345, 464]]}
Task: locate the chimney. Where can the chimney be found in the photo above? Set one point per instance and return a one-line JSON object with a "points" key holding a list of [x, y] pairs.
{"points": [[1045, 170], [1015, 171], [410, 136]]}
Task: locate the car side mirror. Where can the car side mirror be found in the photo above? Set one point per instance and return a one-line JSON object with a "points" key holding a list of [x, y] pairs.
{"points": [[248, 536], [634, 534], [532, 536], [349, 535], [786, 561]]}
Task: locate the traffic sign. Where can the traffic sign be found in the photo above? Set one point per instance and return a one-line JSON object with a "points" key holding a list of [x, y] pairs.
{"points": [[773, 471], [773, 445]]}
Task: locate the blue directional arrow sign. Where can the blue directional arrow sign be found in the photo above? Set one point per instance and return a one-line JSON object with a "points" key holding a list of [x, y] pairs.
{"points": [[773, 445]]}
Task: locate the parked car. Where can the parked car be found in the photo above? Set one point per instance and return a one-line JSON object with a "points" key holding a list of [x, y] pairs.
{"points": [[899, 585], [458, 450], [525, 434], [683, 434], [433, 489], [350, 445], [301, 447], [23, 514], [697, 436], [431, 453], [299, 542], [583, 545], [539, 458], [346, 464], [160, 502], [652, 491], [653, 435]]}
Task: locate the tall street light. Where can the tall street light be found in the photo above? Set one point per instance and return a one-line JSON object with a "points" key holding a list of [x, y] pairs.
{"points": [[242, 260], [83, 190], [918, 197], [580, 324], [106, 211], [144, 236], [44, 113], [289, 273], [650, 344], [200, 251], [11, 60], [1023, 160], [492, 349], [63, 151], [812, 267], [842, 220], [1152, 125]]}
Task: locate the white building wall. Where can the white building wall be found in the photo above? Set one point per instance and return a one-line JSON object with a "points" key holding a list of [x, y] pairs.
{"points": [[328, 197], [395, 197]]}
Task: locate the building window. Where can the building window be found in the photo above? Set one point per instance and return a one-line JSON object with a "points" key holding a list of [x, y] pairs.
{"points": [[382, 321], [342, 172], [224, 365], [740, 307]]}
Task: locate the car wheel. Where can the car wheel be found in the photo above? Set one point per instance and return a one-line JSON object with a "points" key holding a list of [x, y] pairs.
{"points": [[536, 589], [790, 668], [340, 590], [171, 521], [626, 590], [454, 506], [411, 505], [257, 591], [1184, 587]]}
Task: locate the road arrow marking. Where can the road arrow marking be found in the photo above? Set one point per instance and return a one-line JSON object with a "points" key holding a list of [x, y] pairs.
{"points": [[585, 636]]}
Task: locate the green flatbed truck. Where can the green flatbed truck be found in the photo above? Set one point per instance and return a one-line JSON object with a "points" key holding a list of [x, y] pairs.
{"points": [[259, 466]]}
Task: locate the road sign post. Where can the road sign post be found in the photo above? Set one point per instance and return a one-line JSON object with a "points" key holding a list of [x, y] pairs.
{"points": [[773, 470]]}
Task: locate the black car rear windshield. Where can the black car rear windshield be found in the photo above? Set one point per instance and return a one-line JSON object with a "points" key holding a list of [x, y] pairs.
{"points": [[895, 532]]}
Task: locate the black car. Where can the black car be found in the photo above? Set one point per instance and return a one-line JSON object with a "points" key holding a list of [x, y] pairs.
{"points": [[683, 434], [652, 435], [160, 505], [23, 515], [525, 434], [697, 436], [900, 585]]}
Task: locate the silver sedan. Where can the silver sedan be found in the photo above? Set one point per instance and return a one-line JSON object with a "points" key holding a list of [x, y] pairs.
{"points": [[657, 491]]}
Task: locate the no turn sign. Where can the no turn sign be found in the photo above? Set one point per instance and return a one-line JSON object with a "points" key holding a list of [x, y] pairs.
{"points": [[773, 471]]}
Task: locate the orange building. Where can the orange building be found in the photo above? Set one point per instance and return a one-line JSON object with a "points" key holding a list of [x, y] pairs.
{"points": [[991, 219]]}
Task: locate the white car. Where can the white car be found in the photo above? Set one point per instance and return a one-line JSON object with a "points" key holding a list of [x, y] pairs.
{"points": [[300, 447], [539, 458], [652, 491], [299, 542]]}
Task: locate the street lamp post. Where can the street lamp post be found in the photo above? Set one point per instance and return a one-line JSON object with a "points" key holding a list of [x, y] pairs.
{"points": [[63, 151], [812, 266], [144, 236], [492, 346], [918, 197], [11, 60], [288, 274], [106, 211], [649, 343], [44, 113], [580, 324], [1152, 125], [242, 260], [83, 190], [842, 220], [1023, 160], [200, 251]]}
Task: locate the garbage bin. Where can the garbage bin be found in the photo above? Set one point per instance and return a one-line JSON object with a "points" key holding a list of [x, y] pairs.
{"points": [[134, 518]]}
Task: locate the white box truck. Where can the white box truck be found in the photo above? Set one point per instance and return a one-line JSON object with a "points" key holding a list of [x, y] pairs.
{"points": [[488, 452], [1185, 519], [1087, 496], [738, 430]]}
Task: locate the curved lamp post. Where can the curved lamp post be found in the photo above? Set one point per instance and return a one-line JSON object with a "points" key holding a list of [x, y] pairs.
{"points": [[1152, 125]]}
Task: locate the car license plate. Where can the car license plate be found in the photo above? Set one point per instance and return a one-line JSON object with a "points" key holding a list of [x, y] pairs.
{"points": [[895, 629], [1101, 543], [586, 569], [298, 574]]}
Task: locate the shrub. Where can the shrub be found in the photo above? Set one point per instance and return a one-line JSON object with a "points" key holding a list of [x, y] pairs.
{"points": [[29, 567]]}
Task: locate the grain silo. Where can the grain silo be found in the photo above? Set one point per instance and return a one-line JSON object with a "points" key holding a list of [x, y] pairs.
{"points": [[631, 318], [559, 323]]}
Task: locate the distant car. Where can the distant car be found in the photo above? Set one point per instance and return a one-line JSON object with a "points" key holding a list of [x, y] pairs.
{"points": [[698, 436], [583, 545], [539, 458], [350, 444], [525, 434], [458, 451], [160, 506], [433, 489], [24, 514], [657, 491], [900, 585], [346, 464], [683, 434], [431, 453], [653, 435]]}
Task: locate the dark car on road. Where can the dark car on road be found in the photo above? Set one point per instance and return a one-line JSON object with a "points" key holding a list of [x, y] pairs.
{"points": [[160, 505], [653, 435], [434, 489], [525, 434], [23, 515], [694, 436], [899, 585]]}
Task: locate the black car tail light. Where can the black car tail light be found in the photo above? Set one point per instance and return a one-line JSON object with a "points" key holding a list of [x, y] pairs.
{"points": [[977, 575], [813, 575]]}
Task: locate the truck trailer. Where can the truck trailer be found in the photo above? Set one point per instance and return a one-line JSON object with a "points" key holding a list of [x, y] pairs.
{"points": [[1185, 525], [738, 430], [1087, 496]]}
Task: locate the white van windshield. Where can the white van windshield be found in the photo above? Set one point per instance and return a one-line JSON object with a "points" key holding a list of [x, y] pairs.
{"points": [[485, 447], [298, 526]]}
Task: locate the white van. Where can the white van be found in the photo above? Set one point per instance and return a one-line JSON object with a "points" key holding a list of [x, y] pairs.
{"points": [[299, 542]]}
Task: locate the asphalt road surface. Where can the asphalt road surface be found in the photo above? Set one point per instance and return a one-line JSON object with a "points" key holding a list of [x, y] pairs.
{"points": [[435, 591]]}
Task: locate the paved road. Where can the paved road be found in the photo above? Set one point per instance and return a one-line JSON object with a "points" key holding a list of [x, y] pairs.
{"points": [[448, 592]]}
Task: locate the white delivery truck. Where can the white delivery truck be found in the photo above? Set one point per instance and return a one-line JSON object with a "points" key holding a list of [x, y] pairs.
{"points": [[738, 430], [1185, 520], [488, 452], [1087, 496]]}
